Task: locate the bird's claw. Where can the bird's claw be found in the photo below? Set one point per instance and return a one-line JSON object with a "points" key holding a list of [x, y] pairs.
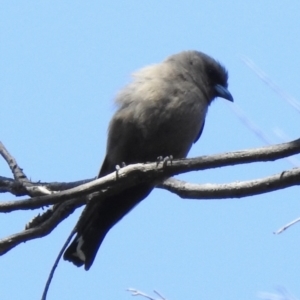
{"points": [[164, 160], [118, 168]]}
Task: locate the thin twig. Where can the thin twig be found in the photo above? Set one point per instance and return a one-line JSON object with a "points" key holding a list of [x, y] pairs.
{"points": [[287, 226], [135, 292], [18, 173], [266, 79], [23, 182], [159, 295], [47, 285]]}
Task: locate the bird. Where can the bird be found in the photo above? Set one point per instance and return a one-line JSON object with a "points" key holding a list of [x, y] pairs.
{"points": [[161, 113]]}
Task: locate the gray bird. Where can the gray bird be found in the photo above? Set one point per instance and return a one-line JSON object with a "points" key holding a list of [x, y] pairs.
{"points": [[161, 113]]}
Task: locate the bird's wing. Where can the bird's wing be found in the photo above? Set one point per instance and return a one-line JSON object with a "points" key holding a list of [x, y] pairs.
{"points": [[105, 168], [199, 133]]}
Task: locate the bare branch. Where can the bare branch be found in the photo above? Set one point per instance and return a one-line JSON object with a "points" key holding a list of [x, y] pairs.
{"points": [[232, 190], [127, 176], [9, 185], [60, 254], [266, 79], [181, 188], [135, 292], [18, 173], [68, 200], [43, 229], [159, 295], [134, 174], [23, 183], [287, 226]]}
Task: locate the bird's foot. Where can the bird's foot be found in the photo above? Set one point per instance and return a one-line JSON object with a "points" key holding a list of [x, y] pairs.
{"points": [[164, 160], [118, 168]]}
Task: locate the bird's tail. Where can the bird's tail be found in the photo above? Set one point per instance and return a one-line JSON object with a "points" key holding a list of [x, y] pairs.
{"points": [[97, 221]]}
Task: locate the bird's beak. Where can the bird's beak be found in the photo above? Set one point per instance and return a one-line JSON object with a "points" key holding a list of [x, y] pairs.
{"points": [[223, 92]]}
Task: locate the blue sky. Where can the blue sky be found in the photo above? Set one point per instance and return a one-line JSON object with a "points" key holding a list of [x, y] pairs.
{"points": [[62, 63]]}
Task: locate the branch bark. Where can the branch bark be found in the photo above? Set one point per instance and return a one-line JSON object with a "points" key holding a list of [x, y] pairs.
{"points": [[268, 184], [75, 194]]}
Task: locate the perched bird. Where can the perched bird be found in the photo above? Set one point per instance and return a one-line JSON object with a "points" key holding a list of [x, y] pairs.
{"points": [[161, 113]]}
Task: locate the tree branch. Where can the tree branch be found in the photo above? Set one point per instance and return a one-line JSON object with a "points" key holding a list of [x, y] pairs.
{"points": [[151, 172], [268, 184], [66, 201], [43, 229]]}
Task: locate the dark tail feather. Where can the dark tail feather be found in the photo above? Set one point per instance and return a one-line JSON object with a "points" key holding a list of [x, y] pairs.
{"points": [[83, 249], [97, 221]]}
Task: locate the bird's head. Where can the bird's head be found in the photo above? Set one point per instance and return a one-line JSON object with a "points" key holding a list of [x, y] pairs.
{"points": [[208, 74]]}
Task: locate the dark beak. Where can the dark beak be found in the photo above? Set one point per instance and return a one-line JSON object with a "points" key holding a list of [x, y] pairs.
{"points": [[223, 92]]}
